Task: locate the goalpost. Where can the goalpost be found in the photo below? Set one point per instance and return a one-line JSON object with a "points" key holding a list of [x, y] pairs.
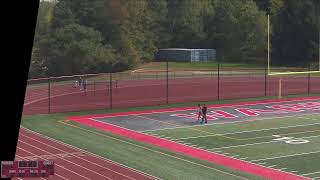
{"points": [[280, 74]]}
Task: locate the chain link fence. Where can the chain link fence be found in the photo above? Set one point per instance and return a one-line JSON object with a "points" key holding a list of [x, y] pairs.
{"points": [[157, 87]]}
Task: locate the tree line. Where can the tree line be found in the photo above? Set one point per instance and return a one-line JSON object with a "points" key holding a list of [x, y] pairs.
{"points": [[92, 36]]}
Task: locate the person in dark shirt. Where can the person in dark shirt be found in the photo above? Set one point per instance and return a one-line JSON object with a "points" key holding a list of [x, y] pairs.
{"points": [[204, 114], [85, 84], [80, 83]]}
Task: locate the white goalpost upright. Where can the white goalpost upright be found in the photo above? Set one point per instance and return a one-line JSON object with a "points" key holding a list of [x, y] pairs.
{"points": [[280, 74]]}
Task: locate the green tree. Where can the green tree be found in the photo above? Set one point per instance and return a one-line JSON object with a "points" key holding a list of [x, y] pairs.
{"points": [[159, 25], [188, 22], [62, 15], [44, 19], [75, 49], [295, 35], [238, 29]]}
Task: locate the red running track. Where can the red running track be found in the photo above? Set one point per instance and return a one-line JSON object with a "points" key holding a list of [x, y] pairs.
{"points": [[153, 92], [71, 162]]}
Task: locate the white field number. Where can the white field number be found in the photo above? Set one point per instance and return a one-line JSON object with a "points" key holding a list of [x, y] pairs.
{"points": [[290, 140]]}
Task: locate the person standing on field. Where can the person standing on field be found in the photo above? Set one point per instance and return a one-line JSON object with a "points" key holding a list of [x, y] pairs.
{"points": [[199, 112], [204, 114]]}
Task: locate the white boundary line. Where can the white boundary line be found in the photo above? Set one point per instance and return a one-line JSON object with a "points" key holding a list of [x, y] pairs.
{"points": [[95, 155], [240, 132], [292, 155]]}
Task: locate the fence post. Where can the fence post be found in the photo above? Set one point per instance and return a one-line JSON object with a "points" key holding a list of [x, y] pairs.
{"points": [[110, 86], [85, 84], [309, 79], [167, 82], [218, 89], [94, 87], [280, 88], [49, 95], [265, 79]]}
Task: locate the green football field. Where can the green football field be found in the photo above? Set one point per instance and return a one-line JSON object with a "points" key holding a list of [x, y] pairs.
{"points": [[290, 144]]}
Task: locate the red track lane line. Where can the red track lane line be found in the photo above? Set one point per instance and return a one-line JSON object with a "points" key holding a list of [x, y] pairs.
{"points": [[52, 96], [94, 160], [73, 164], [96, 157], [95, 165], [216, 158], [192, 108], [67, 173], [20, 155]]}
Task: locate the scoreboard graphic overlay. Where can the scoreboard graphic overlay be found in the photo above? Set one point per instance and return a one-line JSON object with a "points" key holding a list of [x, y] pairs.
{"points": [[11, 169]]}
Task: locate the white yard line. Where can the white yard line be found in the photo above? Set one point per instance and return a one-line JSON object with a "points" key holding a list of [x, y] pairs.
{"points": [[243, 145], [272, 166], [307, 118], [239, 132], [292, 155], [311, 173]]}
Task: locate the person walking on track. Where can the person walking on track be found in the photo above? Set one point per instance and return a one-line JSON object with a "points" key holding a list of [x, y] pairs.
{"points": [[81, 83], [76, 84], [85, 84]]}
